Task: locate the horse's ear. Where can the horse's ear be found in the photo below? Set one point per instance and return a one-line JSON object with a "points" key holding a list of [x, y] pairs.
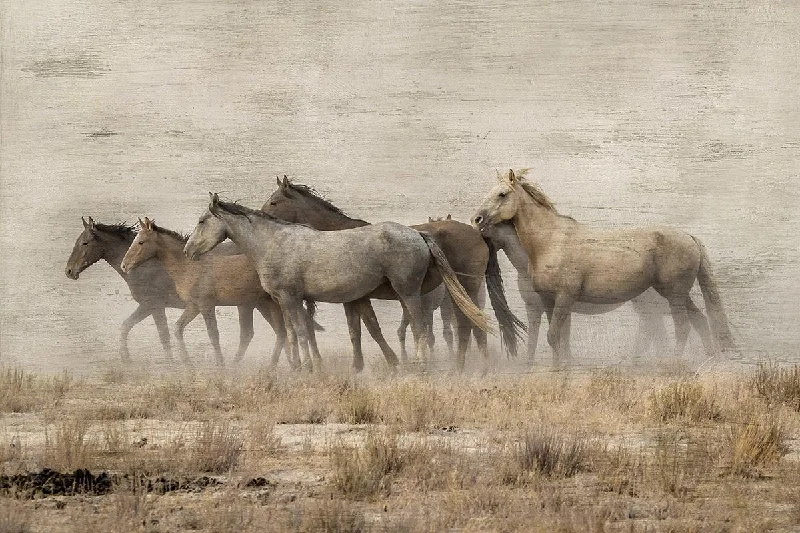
{"points": [[511, 176], [278, 179], [147, 224], [85, 224], [285, 183], [449, 217], [430, 219]]}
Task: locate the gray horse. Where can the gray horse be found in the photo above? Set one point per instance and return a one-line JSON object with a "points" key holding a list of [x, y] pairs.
{"points": [[295, 262]]}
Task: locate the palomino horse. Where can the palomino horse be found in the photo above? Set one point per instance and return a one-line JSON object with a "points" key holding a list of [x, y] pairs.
{"points": [[649, 305], [295, 262], [217, 280], [570, 262], [463, 247]]}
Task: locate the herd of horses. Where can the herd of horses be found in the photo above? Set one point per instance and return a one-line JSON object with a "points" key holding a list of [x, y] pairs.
{"points": [[299, 249]]}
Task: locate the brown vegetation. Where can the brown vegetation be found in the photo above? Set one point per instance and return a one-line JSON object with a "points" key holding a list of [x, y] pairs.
{"points": [[599, 451]]}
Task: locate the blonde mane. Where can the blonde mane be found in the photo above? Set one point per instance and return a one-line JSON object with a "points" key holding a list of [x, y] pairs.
{"points": [[532, 189]]}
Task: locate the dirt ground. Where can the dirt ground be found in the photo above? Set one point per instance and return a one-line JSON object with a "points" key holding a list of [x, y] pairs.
{"points": [[261, 450]]}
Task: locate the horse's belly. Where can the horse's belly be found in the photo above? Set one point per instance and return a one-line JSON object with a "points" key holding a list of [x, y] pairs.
{"points": [[340, 286]]}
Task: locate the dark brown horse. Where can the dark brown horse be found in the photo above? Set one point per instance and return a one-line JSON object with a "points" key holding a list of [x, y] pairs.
{"points": [[465, 250]]}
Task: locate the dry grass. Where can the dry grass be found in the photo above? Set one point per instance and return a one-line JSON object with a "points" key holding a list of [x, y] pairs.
{"points": [[778, 385], [597, 451]]}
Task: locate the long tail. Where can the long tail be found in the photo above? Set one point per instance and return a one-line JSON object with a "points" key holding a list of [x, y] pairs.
{"points": [[511, 327], [454, 287], [717, 318], [311, 309]]}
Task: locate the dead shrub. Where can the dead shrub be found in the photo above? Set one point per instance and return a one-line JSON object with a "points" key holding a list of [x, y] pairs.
{"points": [[366, 472], [685, 399], [759, 442], [548, 454], [217, 448], [70, 446], [332, 516], [358, 406], [778, 385]]}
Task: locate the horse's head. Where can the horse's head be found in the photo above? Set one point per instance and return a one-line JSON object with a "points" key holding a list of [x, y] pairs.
{"points": [[144, 246], [500, 205], [285, 203], [209, 231], [90, 247]]}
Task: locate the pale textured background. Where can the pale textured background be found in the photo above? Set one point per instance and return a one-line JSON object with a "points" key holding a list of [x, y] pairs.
{"points": [[632, 112]]}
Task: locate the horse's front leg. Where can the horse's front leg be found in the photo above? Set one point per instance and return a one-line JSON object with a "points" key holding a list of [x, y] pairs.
{"points": [[351, 311], [296, 323], [374, 328], [413, 305], [160, 319], [245, 330], [187, 316], [535, 308], [137, 316], [558, 332], [271, 312], [210, 318]]}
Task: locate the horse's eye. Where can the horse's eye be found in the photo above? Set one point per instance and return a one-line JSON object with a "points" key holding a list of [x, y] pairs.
{"points": [[502, 195], [273, 203], [85, 243]]}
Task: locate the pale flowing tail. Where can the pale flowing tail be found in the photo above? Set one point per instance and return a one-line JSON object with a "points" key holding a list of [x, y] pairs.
{"points": [[717, 318], [457, 292], [511, 327]]}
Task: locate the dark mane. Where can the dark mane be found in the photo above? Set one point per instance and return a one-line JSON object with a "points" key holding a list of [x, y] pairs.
{"points": [[121, 229], [183, 237], [312, 194], [238, 209]]}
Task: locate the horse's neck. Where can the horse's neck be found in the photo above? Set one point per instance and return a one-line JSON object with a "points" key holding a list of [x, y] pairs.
{"points": [[324, 219], [537, 226], [170, 253], [115, 252], [250, 235], [509, 242]]}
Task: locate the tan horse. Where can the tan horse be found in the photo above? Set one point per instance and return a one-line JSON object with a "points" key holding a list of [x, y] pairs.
{"points": [[203, 285], [570, 262]]}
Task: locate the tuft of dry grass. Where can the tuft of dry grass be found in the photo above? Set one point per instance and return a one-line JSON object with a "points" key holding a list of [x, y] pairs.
{"points": [[545, 453], [70, 447], [365, 472], [217, 448], [332, 516], [14, 517], [758, 442], [22, 391], [778, 385], [357, 405], [684, 399]]}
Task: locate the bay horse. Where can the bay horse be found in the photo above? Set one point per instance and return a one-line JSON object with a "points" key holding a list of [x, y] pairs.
{"points": [[570, 262], [649, 306], [217, 280], [295, 262], [465, 250]]}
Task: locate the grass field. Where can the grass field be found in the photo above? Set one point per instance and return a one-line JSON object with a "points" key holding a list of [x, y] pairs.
{"points": [[602, 450]]}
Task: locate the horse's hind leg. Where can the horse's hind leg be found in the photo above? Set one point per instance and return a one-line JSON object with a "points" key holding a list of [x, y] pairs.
{"points": [[187, 316], [210, 318], [271, 312], [160, 319], [351, 311], [401, 335], [137, 316], [374, 328], [413, 305], [312, 337], [558, 332], [245, 330], [446, 310], [680, 316], [700, 324], [534, 307]]}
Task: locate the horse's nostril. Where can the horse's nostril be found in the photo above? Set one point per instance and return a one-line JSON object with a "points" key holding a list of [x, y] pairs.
{"points": [[478, 220]]}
